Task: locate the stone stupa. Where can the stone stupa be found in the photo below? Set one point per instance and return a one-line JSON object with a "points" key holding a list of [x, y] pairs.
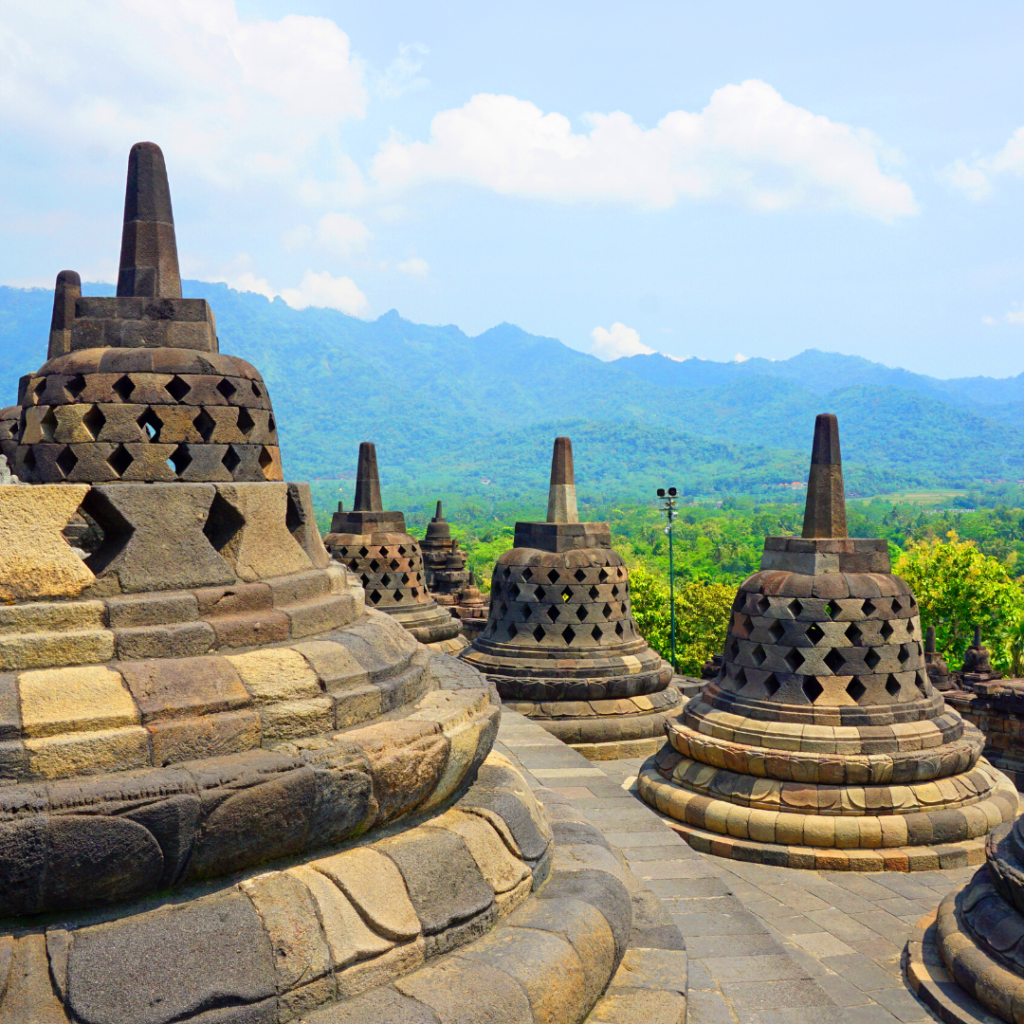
{"points": [[822, 743], [561, 643], [376, 546], [230, 792]]}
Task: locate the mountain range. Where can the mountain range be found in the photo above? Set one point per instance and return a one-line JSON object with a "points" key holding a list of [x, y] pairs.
{"points": [[474, 416]]}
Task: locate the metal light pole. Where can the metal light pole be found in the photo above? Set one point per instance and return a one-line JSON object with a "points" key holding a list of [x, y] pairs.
{"points": [[668, 506]]}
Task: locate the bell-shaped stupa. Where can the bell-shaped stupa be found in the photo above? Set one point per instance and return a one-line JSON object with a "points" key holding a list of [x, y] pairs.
{"points": [[230, 793], [822, 743], [450, 583], [376, 546], [561, 643]]}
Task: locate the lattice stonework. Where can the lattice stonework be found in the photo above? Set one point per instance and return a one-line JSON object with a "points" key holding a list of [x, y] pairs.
{"points": [[95, 427], [825, 651], [391, 574]]}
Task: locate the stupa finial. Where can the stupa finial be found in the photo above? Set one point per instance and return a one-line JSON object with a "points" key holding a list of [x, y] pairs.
{"points": [[437, 515], [825, 512], [929, 641], [67, 289], [562, 492], [149, 253], [367, 480]]}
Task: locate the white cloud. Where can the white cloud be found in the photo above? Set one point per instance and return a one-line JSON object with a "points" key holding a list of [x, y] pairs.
{"points": [[343, 234], [297, 237], [748, 145], [616, 342], [414, 267], [988, 321], [403, 73], [740, 358], [232, 100], [321, 290], [974, 177], [1014, 316]]}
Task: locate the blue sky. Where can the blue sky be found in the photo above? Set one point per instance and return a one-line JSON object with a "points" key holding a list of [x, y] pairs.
{"points": [[705, 180]]}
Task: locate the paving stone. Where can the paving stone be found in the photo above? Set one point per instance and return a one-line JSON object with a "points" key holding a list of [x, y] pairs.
{"points": [[774, 994], [708, 1008]]}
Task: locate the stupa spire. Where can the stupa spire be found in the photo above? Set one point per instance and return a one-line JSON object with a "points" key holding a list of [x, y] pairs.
{"points": [[67, 289], [825, 512], [149, 252], [562, 492], [437, 515], [367, 480]]}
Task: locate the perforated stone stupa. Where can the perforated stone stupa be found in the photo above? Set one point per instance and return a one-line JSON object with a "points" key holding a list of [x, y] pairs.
{"points": [[376, 546], [822, 743], [230, 793], [450, 583], [561, 643]]}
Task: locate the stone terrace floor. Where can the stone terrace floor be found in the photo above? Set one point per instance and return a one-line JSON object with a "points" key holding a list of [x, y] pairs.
{"points": [[765, 945]]}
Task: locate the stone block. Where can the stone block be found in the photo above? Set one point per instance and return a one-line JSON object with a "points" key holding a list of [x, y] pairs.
{"points": [[52, 650], [348, 936], [376, 1007], [299, 588], [212, 735], [28, 994], [151, 609], [38, 562], [374, 884], [52, 617], [353, 707], [88, 753], [499, 868], [178, 640], [314, 617], [78, 699], [250, 629], [335, 665], [170, 688], [303, 522], [466, 992], [154, 536], [172, 963], [261, 546], [276, 674], [295, 719]]}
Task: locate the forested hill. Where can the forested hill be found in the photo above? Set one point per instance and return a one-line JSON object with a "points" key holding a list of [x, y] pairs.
{"points": [[475, 415]]}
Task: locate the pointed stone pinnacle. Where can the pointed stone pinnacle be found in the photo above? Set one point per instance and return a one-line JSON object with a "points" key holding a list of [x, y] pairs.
{"points": [[149, 253], [562, 492], [66, 291], [929, 641], [437, 515], [825, 512], [977, 637], [367, 480]]}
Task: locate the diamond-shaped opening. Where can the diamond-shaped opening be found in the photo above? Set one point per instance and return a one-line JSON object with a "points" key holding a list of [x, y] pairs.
{"points": [[619, 630], [796, 608], [415, 591], [603, 576], [180, 459], [740, 676], [527, 612], [513, 632], [794, 659], [40, 386], [538, 593], [513, 591], [401, 549], [553, 576], [568, 634], [205, 424], [149, 421], [553, 613], [812, 688], [66, 461], [897, 606], [776, 631], [30, 460], [910, 627], [593, 592], [758, 655], [405, 578], [538, 634], [502, 609], [834, 661], [854, 634], [231, 459], [814, 632], [123, 388], [385, 580], [397, 594], [734, 648], [48, 424], [832, 609], [771, 685], [566, 593], [223, 522], [256, 389], [365, 579], [739, 600], [596, 633], [886, 631], [75, 386], [394, 564], [266, 460], [904, 654], [226, 388], [856, 689], [579, 575], [922, 681], [871, 659], [363, 552], [527, 574], [375, 596], [177, 388], [892, 686], [607, 610], [615, 590], [374, 565], [868, 607], [581, 612], [120, 459], [762, 604]]}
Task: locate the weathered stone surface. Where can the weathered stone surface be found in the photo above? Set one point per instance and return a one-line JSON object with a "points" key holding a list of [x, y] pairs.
{"points": [[38, 561], [151, 609], [442, 878], [169, 688], [375, 1007], [46, 650], [166, 965], [375, 885], [276, 674], [335, 665], [499, 868], [56, 701], [465, 992], [602, 891], [29, 994], [176, 640], [88, 753], [210, 735]]}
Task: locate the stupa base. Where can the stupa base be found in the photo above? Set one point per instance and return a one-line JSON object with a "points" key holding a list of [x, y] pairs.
{"points": [[830, 842], [454, 646], [428, 623], [603, 730]]}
